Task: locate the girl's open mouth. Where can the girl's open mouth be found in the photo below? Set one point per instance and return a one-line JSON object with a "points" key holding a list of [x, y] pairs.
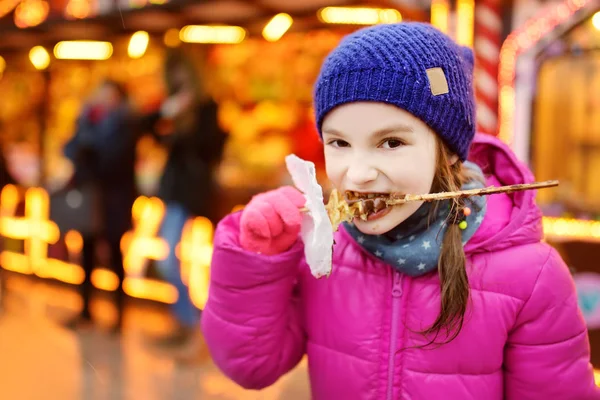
{"points": [[379, 214], [372, 205]]}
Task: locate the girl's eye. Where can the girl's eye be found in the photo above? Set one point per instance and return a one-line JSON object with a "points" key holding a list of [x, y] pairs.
{"points": [[392, 143], [339, 143]]}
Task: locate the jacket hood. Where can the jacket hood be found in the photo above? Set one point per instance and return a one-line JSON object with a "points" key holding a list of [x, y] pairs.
{"points": [[511, 219]]}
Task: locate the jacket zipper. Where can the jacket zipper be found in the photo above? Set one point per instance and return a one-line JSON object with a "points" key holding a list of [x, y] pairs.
{"points": [[396, 294]]}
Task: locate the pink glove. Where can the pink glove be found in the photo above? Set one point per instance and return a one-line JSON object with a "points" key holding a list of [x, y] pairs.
{"points": [[270, 223]]}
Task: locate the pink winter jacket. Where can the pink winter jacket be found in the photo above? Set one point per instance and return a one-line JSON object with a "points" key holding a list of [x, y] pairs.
{"points": [[523, 336]]}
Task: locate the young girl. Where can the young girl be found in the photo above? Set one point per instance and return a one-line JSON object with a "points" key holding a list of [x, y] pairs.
{"points": [[425, 301]]}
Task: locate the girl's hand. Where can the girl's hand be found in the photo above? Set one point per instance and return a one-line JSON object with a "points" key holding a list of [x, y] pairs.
{"points": [[270, 223]]}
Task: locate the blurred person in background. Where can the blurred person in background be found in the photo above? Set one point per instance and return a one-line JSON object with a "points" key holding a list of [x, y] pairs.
{"points": [[103, 154], [187, 126]]}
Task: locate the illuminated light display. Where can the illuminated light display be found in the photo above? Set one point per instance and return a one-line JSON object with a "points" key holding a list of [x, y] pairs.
{"points": [[517, 42], [359, 15], [139, 246]]}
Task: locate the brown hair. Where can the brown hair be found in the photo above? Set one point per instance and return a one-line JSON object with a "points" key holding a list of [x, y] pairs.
{"points": [[451, 264]]}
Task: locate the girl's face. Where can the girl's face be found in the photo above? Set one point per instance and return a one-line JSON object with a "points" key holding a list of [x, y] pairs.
{"points": [[379, 148]]}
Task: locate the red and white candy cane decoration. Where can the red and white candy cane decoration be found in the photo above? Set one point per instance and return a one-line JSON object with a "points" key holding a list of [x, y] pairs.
{"points": [[488, 40]]}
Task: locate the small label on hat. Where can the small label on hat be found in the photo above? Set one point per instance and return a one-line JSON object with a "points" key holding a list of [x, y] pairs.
{"points": [[437, 81]]}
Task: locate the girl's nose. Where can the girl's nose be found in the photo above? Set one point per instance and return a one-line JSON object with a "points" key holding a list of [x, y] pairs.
{"points": [[361, 173]]}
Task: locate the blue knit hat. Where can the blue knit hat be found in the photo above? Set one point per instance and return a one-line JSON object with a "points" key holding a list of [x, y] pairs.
{"points": [[411, 65]]}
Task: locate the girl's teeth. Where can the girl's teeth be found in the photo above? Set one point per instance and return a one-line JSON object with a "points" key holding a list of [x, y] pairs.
{"points": [[364, 196]]}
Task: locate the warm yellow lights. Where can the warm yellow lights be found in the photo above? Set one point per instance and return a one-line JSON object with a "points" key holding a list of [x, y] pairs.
{"points": [[440, 13], [560, 228], [73, 242], [171, 38], [31, 13], [359, 15], [15, 262], [597, 377], [37, 231], [83, 50], [150, 289], [596, 20], [7, 6], [212, 34], [277, 27], [195, 253], [465, 15], [138, 44], [62, 271], [78, 9], [9, 200], [105, 279], [2, 65], [39, 57], [142, 244]]}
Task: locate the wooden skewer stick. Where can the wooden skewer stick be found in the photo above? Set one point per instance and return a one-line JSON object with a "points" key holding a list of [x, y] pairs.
{"points": [[466, 193], [471, 192]]}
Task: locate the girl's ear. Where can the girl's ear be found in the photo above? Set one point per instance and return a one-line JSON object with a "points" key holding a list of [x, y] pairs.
{"points": [[453, 159]]}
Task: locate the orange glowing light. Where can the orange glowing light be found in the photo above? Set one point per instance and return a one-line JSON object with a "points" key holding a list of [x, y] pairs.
{"points": [[38, 231], [7, 6], [465, 13], [31, 13], [74, 242], [563, 228], [150, 289], [195, 253], [15, 262], [34, 228], [78, 9], [63, 271], [9, 199], [141, 244], [518, 42], [105, 279], [440, 14]]}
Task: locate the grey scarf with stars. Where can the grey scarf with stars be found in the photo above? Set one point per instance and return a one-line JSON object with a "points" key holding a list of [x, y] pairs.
{"points": [[413, 247]]}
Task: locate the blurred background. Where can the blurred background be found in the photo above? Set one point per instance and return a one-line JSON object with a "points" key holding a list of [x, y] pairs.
{"points": [[99, 99]]}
